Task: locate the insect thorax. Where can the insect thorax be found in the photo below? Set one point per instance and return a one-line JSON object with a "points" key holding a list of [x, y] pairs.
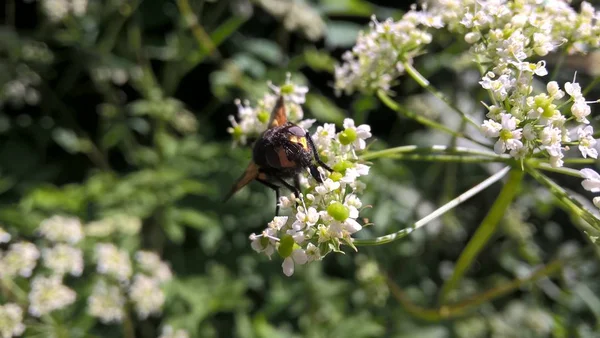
{"points": [[283, 148]]}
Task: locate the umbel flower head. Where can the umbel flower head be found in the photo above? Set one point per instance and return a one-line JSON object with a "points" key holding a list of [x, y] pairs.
{"points": [[507, 39], [325, 216]]}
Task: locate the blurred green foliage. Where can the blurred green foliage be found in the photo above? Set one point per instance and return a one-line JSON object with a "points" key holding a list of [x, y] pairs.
{"points": [[123, 110]]}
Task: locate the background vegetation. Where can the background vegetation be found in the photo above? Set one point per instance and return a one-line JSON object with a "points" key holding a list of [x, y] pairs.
{"points": [[123, 109]]}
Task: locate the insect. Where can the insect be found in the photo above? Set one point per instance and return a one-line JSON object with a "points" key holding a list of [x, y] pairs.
{"points": [[282, 152]]}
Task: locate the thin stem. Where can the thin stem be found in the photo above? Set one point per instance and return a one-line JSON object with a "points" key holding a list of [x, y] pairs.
{"points": [[591, 86], [461, 308], [433, 149], [436, 213], [421, 119], [423, 82], [204, 41], [569, 204], [561, 170], [447, 158], [484, 232]]}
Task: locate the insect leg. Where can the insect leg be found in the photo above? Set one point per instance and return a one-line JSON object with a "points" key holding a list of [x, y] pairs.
{"points": [[274, 187], [287, 185], [314, 172], [316, 153]]}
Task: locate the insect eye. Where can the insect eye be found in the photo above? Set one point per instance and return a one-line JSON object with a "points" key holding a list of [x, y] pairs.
{"points": [[296, 130]]}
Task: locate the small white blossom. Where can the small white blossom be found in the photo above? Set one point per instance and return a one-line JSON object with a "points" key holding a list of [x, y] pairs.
{"points": [[49, 294], [591, 180], [62, 229], [112, 261], [62, 259], [356, 135], [291, 92], [298, 256], [4, 236], [146, 295], [587, 142], [509, 136], [106, 303]]}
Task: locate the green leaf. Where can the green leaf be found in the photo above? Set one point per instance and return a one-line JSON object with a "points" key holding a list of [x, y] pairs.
{"points": [[347, 7], [319, 60], [265, 49], [113, 136], [342, 34], [323, 109], [193, 218]]}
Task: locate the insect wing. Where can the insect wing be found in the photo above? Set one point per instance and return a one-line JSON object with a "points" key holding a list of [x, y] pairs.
{"points": [[278, 115], [250, 174]]}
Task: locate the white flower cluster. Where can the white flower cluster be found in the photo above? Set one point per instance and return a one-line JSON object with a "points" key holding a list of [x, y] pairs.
{"points": [[144, 291], [106, 302], [325, 217], [296, 16], [503, 35], [57, 10], [48, 294], [376, 59], [252, 121], [11, 320], [114, 285]]}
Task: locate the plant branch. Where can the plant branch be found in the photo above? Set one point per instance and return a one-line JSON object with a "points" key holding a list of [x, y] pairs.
{"points": [[422, 119], [484, 232], [423, 82], [569, 204], [461, 308], [436, 213]]}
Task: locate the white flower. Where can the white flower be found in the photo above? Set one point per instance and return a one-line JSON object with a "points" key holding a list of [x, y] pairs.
{"points": [[305, 218], [62, 259], [146, 295], [591, 180], [48, 294], [328, 186], [587, 142], [112, 261], [298, 256], [491, 128], [106, 303], [4, 236], [581, 110], [151, 263], [596, 201], [355, 135], [324, 135], [20, 259], [62, 229], [11, 320], [312, 252], [509, 136], [291, 92], [573, 89]]}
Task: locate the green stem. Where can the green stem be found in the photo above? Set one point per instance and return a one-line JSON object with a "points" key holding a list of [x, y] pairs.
{"points": [[484, 232], [436, 213], [461, 308], [433, 149], [569, 204], [560, 170], [446, 158], [421, 119], [423, 82]]}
